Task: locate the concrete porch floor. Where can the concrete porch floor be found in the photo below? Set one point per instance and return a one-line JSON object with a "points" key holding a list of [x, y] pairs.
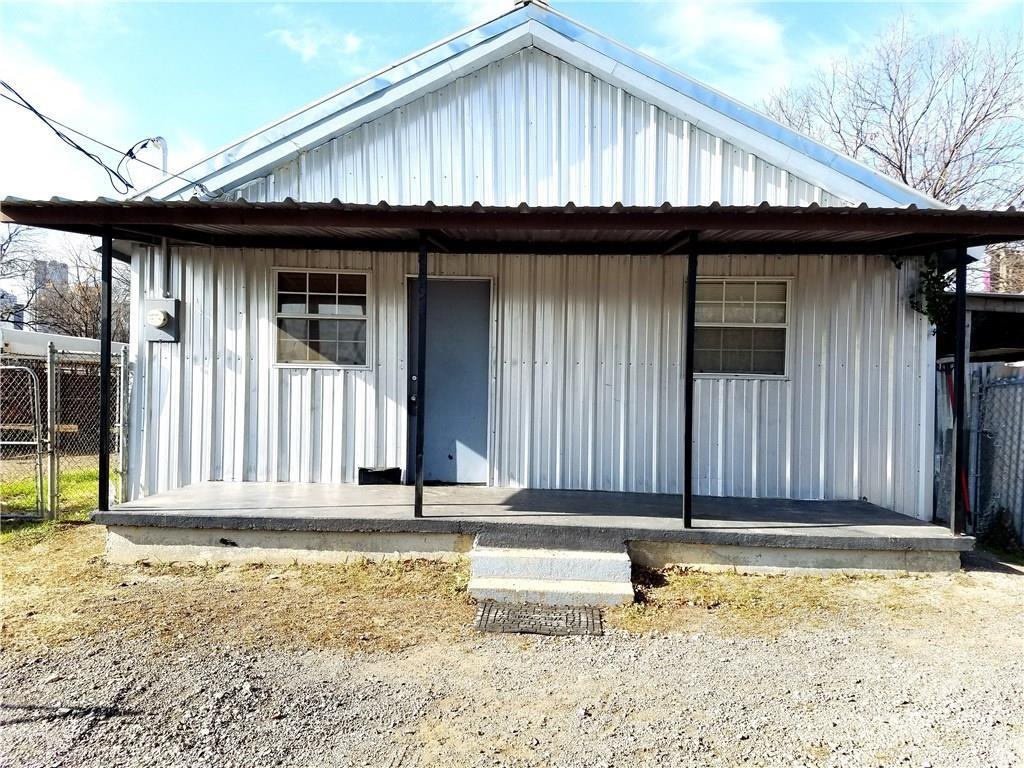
{"points": [[564, 519]]}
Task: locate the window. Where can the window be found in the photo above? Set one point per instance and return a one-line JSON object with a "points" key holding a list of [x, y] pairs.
{"points": [[741, 327], [321, 318]]}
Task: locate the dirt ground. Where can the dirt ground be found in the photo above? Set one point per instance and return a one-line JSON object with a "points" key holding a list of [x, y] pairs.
{"points": [[376, 665]]}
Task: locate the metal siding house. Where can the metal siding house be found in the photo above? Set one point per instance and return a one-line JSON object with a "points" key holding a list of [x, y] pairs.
{"points": [[585, 352], [554, 197]]}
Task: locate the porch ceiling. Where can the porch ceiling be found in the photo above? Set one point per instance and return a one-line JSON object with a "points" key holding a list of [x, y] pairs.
{"points": [[569, 229]]}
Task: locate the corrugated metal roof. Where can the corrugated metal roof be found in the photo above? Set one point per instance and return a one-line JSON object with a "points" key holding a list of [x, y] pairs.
{"points": [[477, 228]]}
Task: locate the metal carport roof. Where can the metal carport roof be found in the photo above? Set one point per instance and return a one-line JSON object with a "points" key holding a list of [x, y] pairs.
{"points": [[568, 229]]}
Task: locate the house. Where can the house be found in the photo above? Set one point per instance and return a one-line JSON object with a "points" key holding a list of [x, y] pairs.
{"points": [[536, 223]]}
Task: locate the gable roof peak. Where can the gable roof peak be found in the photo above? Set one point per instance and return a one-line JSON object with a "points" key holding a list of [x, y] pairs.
{"points": [[534, 23]]}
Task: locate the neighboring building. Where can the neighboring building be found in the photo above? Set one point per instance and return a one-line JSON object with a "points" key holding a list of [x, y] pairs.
{"points": [[14, 320]]}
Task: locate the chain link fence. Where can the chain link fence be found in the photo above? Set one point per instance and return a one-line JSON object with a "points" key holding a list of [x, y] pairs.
{"points": [[994, 481], [999, 510], [22, 439], [50, 433]]}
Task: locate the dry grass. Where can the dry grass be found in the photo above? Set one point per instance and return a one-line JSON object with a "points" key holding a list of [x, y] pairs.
{"points": [[56, 588], [681, 599]]}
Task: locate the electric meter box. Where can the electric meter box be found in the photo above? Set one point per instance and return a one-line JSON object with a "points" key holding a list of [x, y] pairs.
{"points": [[161, 320]]}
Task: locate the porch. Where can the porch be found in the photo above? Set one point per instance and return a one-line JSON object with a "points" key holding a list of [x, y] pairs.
{"points": [[296, 522]]}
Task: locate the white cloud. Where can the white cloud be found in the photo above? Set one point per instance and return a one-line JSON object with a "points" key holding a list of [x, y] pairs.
{"points": [[310, 41], [473, 12], [732, 46], [315, 39]]}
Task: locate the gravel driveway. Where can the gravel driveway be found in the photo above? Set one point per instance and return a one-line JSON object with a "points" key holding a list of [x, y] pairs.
{"points": [[942, 686]]}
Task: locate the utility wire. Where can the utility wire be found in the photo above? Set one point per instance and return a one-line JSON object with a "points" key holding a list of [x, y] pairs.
{"points": [[129, 155], [114, 176]]}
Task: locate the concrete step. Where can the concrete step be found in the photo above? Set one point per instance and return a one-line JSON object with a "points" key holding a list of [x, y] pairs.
{"points": [[554, 564], [550, 591], [550, 576]]}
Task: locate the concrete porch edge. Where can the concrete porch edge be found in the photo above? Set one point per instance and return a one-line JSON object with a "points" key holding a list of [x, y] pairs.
{"points": [[531, 534]]}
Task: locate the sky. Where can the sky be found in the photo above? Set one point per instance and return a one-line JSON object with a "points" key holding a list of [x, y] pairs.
{"points": [[202, 74]]}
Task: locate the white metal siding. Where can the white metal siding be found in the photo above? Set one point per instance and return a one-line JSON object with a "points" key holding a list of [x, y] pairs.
{"points": [[532, 127], [587, 364]]}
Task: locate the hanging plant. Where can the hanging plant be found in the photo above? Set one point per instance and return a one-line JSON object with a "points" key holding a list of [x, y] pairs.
{"points": [[932, 297]]}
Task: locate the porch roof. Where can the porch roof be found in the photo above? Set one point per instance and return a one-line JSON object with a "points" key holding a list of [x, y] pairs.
{"points": [[568, 229]]}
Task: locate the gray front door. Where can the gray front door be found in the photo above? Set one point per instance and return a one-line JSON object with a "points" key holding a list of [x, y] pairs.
{"points": [[455, 418]]}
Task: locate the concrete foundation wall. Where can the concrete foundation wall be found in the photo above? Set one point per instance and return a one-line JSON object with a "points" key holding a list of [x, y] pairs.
{"points": [[130, 544], [203, 546], [709, 557]]}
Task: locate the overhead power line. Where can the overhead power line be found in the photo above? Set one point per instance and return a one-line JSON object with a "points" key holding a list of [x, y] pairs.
{"points": [[115, 174]]}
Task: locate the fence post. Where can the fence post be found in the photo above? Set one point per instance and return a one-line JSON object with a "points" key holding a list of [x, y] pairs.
{"points": [[51, 431], [122, 427]]}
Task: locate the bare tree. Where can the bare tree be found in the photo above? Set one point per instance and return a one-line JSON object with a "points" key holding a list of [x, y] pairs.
{"points": [[72, 307], [943, 114], [19, 250]]}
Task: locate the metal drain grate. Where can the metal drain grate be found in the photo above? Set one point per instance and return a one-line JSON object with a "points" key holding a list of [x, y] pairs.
{"points": [[532, 619]]}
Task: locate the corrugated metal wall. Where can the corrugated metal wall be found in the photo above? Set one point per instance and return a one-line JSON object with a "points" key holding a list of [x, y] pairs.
{"points": [[532, 127], [587, 350], [587, 361]]}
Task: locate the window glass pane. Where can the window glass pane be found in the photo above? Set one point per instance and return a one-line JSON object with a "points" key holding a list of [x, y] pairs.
{"points": [[771, 313], [291, 328], [291, 281], [739, 292], [709, 291], [352, 284], [771, 291], [769, 339], [773, 363], [291, 351], [322, 282], [707, 338], [708, 313], [705, 361], [351, 330], [338, 330], [291, 303], [336, 305], [351, 353], [736, 362], [739, 313], [323, 351], [737, 338]]}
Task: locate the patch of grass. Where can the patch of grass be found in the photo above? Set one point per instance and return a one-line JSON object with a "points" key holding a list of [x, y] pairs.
{"points": [[18, 496], [78, 489], [58, 588], [682, 598], [25, 533]]}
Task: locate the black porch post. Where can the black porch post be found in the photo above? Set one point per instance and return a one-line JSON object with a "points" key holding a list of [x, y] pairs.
{"points": [[957, 516], [106, 257], [692, 258], [421, 370]]}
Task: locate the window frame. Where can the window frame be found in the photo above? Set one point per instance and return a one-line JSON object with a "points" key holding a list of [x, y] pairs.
{"points": [[786, 326], [275, 316]]}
